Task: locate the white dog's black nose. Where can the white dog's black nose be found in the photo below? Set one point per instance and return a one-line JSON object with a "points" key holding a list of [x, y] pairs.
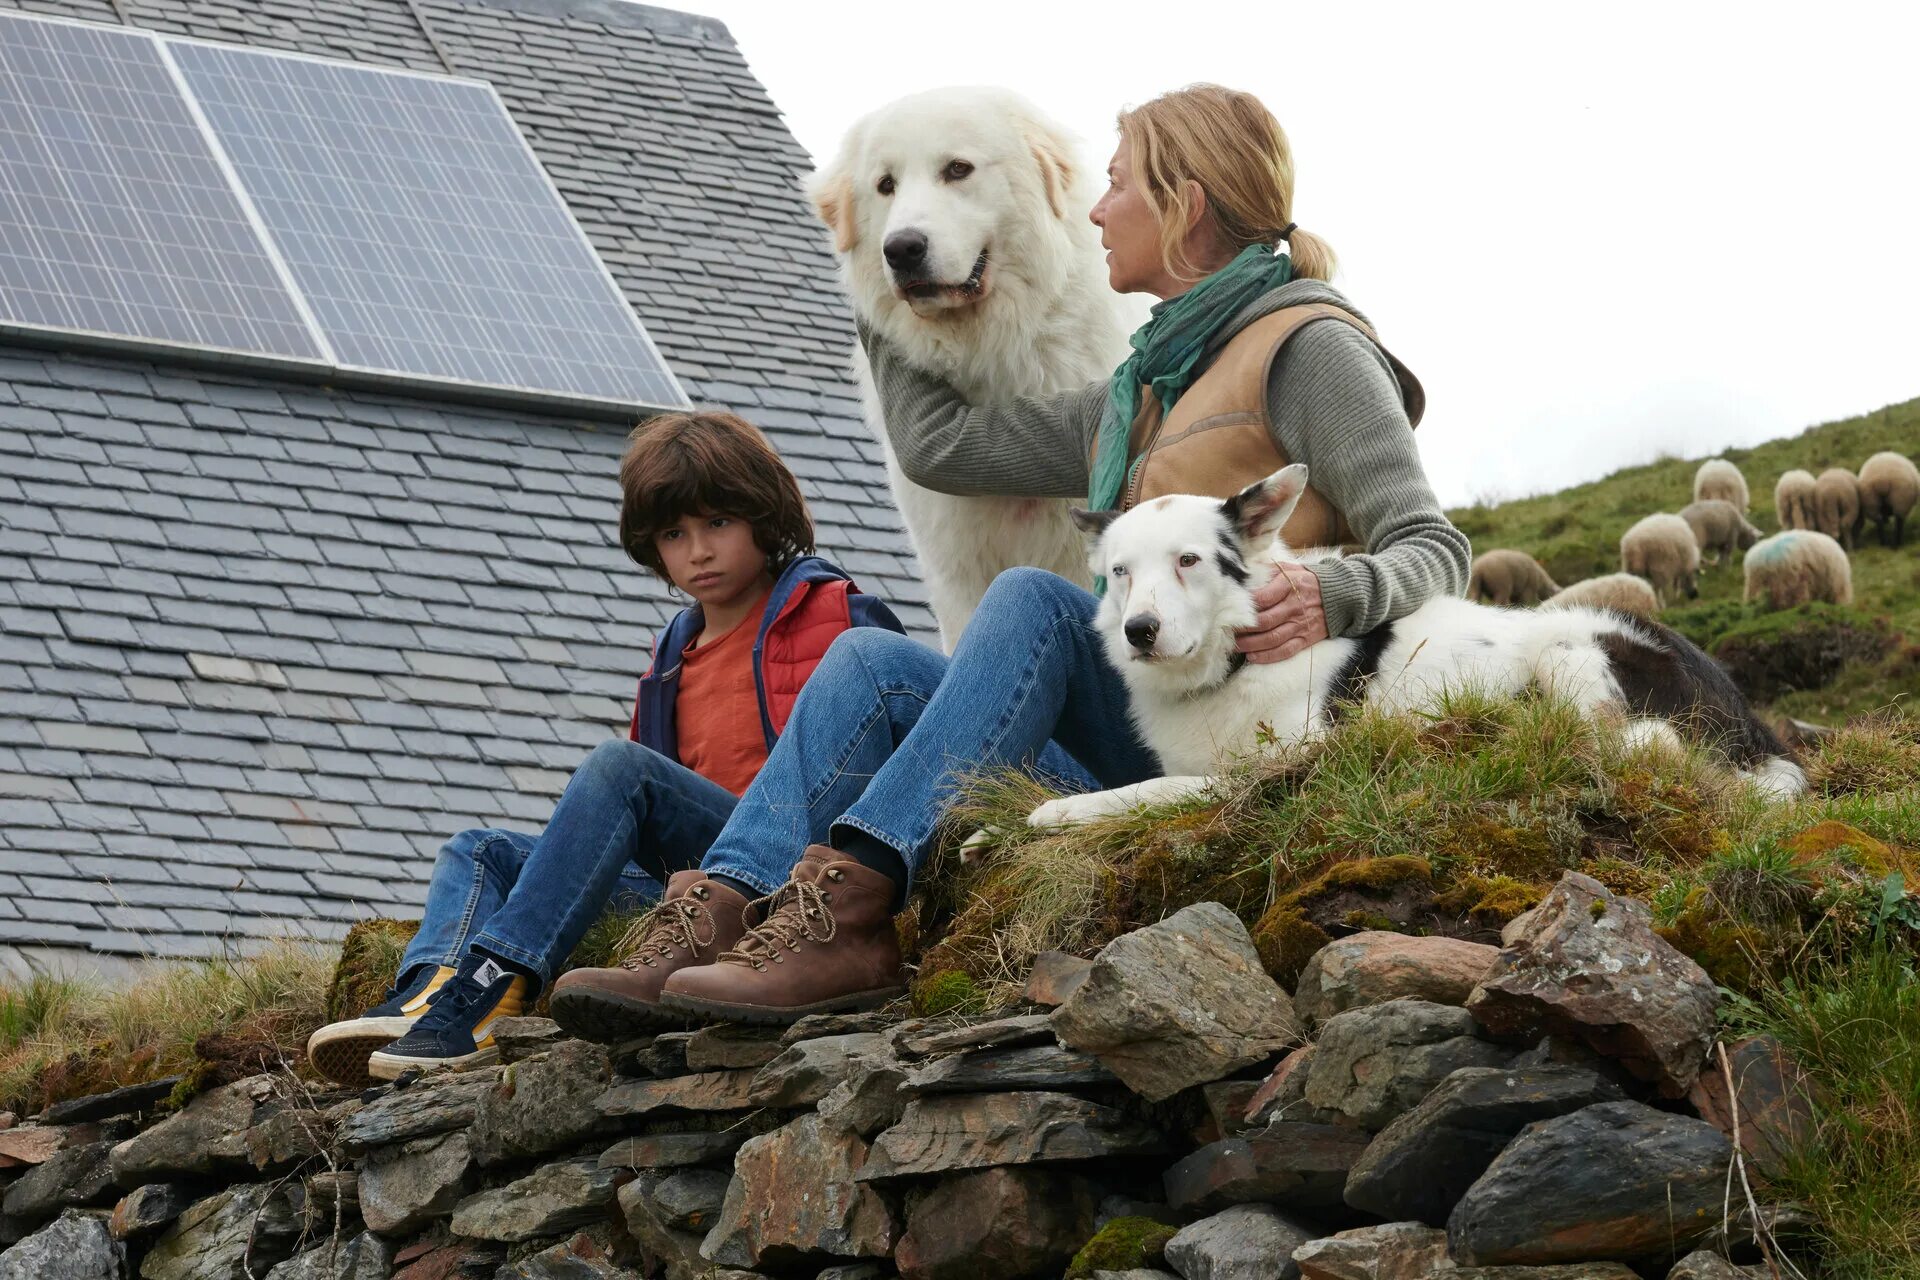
{"points": [[906, 250], [1142, 630]]}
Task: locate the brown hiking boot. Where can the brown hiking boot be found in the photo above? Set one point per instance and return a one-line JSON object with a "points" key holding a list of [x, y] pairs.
{"points": [[827, 945], [696, 921]]}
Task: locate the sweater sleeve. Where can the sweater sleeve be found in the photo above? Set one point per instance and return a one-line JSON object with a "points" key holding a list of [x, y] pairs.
{"points": [[1023, 447], [1334, 404]]}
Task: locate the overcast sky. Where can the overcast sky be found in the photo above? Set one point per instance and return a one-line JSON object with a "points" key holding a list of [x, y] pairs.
{"points": [[1598, 232]]}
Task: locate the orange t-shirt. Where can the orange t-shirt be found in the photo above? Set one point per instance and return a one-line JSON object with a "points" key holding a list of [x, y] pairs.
{"points": [[717, 711]]}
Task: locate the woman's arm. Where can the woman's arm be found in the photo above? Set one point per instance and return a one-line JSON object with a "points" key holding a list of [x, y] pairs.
{"points": [[1024, 447], [1333, 403]]}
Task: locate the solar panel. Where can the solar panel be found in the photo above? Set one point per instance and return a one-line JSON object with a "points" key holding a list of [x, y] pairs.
{"points": [[115, 216], [423, 234]]}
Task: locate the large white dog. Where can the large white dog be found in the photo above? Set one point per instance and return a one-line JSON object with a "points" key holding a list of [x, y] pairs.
{"points": [[1178, 572], [959, 220]]}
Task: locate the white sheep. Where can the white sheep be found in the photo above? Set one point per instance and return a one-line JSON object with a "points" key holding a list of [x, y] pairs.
{"points": [[1718, 478], [1661, 549], [1889, 488], [1622, 592], [1793, 499], [1796, 566], [1719, 527], [1508, 577], [1836, 505]]}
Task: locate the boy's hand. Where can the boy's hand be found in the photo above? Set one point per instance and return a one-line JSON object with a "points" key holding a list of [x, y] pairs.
{"points": [[1290, 617]]}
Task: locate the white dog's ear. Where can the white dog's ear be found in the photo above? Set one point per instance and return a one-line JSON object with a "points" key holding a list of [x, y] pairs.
{"points": [[1261, 509], [832, 194], [1056, 170], [1092, 523]]}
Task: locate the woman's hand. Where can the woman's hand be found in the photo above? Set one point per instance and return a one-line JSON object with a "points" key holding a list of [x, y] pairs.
{"points": [[1290, 616]]}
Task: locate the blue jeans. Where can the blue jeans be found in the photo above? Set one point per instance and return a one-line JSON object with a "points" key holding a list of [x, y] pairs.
{"points": [[628, 820], [887, 731]]}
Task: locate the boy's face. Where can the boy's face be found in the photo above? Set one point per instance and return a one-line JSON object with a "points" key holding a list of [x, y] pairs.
{"points": [[712, 558]]}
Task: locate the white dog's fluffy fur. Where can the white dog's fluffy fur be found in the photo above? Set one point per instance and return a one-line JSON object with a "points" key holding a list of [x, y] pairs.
{"points": [[1179, 571], [1012, 300]]}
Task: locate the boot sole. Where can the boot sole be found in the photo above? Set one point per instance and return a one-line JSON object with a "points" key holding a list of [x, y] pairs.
{"points": [[609, 1019], [342, 1056], [769, 1015]]}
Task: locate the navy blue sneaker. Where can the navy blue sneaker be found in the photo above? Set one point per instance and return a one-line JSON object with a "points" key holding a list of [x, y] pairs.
{"points": [[454, 1031], [339, 1050]]}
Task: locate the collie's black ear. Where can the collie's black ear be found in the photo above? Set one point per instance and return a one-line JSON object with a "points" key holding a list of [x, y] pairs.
{"points": [[1258, 511], [1092, 523]]}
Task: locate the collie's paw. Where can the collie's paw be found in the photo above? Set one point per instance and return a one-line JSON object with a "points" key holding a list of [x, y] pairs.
{"points": [[978, 845], [1071, 811]]}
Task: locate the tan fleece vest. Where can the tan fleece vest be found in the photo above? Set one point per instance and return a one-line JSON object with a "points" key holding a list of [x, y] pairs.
{"points": [[1217, 442]]}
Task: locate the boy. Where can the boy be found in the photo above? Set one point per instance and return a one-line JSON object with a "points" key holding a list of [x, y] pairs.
{"points": [[708, 506]]}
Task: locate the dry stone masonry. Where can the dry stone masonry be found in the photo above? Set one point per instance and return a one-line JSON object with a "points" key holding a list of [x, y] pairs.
{"points": [[1416, 1108]]}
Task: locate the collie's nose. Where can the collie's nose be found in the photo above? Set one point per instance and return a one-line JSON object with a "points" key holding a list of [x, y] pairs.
{"points": [[905, 250], [1142, 630]]}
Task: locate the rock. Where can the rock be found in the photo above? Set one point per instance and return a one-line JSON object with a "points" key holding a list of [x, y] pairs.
{"points": [[553, 1198], [208, 1135], [364, 1257], [815, 1025], [403, 1188], [1001, 1033], [674, 1253], [1578, 1271], [1587, 964], [580, 1258], [416, 1112], [521, 1038], [328, 1198], [708, 1091], [1711, 1266], [854, 1271], [1423, 1162], [1296, 1166], [1033, 1067], [1135, 1273], [796, 1193], [285, 1133], [1226, 1102], [1246, 1242], [244, 1228], [75, 1246], [731, 1047], [459, 1260], [805, 1072], [690, 1199], [1283, 1094], [1372, 1063], [1374, 967], [145, 1210], [115, 1102], [867, 1101], [980, 1130], [1178, 1003], [79, 1177], [671, 1150], [542, 1104], [1775, 1099], [1054, 977], [1395, 1251], [32, 1144], [1012, 1224], [1618, 1180], [662, 1056]]}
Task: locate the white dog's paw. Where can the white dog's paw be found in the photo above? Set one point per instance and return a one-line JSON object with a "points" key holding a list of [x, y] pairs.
{"points": [[976, 846], [1071, 811]]}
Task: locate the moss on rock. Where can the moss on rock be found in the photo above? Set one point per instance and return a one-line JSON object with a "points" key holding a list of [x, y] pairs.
{"points": [[949, 991], [1124, 1244]]}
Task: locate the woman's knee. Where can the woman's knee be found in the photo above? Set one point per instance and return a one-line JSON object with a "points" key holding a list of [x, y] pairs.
{"points": [[619, 763]]}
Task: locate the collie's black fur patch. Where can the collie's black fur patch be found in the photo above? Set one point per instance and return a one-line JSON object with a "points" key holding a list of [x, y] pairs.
{"points": [[1228, 555], [1349, 687], [1662, 673]]}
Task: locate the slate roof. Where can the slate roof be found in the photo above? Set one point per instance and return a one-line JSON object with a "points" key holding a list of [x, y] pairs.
{"points": [[265, 645]]}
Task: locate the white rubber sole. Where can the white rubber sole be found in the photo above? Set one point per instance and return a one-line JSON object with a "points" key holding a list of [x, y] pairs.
{"points": [[388, 1066], [339, 1050]]}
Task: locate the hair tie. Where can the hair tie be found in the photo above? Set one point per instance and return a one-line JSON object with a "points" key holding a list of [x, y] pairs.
{"points": [[1287, 234]]}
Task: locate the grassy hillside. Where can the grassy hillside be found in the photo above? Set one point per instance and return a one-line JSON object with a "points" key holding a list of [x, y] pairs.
{"points": [[1576, 534]]}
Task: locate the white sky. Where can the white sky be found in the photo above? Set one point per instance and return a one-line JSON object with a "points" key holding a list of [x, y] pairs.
{"points": [[1598, 232]]}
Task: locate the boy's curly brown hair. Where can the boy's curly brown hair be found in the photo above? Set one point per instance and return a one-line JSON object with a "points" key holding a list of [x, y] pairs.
{"points": [[709, 463]]}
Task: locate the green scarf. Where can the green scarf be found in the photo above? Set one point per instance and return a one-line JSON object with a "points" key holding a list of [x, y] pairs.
{"points": [[1165, 350]]}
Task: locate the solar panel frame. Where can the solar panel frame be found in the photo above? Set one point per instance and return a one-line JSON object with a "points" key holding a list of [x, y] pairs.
{"points": [[667, 393]]}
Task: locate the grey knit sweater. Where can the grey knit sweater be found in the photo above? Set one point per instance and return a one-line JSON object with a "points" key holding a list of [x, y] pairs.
{"points": [[1332, 403]]}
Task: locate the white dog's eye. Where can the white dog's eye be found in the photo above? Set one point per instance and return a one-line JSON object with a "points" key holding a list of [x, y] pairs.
{"points": [[1118, 571], [885, 185], [956, 171], [1188, 560]]}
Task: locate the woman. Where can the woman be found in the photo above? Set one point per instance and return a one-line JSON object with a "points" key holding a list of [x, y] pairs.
{"points": [[1251, 360]]}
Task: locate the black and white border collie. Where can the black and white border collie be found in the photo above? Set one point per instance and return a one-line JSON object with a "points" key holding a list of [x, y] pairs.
{"points": [[1179, 575]]}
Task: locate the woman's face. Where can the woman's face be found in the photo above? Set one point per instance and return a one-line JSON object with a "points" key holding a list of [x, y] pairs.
{"points": [[1130, 233]]}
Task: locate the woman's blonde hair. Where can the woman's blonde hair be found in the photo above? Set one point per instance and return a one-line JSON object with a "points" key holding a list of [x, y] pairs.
{"points": [[1229, 143]]}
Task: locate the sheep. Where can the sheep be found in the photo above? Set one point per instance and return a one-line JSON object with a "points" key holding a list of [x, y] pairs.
{"points": [[1621, 592], [1508, 577], [1889, 488], [1719, 526], [1836, 505], [1661, 549], [1718, 478], [1795, 566], [1793, 499]]}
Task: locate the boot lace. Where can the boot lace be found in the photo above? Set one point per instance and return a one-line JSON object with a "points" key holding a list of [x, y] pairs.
{"points": [[799, 912], [676, 922]]}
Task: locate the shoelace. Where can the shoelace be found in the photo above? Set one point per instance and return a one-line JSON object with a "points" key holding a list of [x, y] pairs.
{"points": [[798, 912], [674, 923]]}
